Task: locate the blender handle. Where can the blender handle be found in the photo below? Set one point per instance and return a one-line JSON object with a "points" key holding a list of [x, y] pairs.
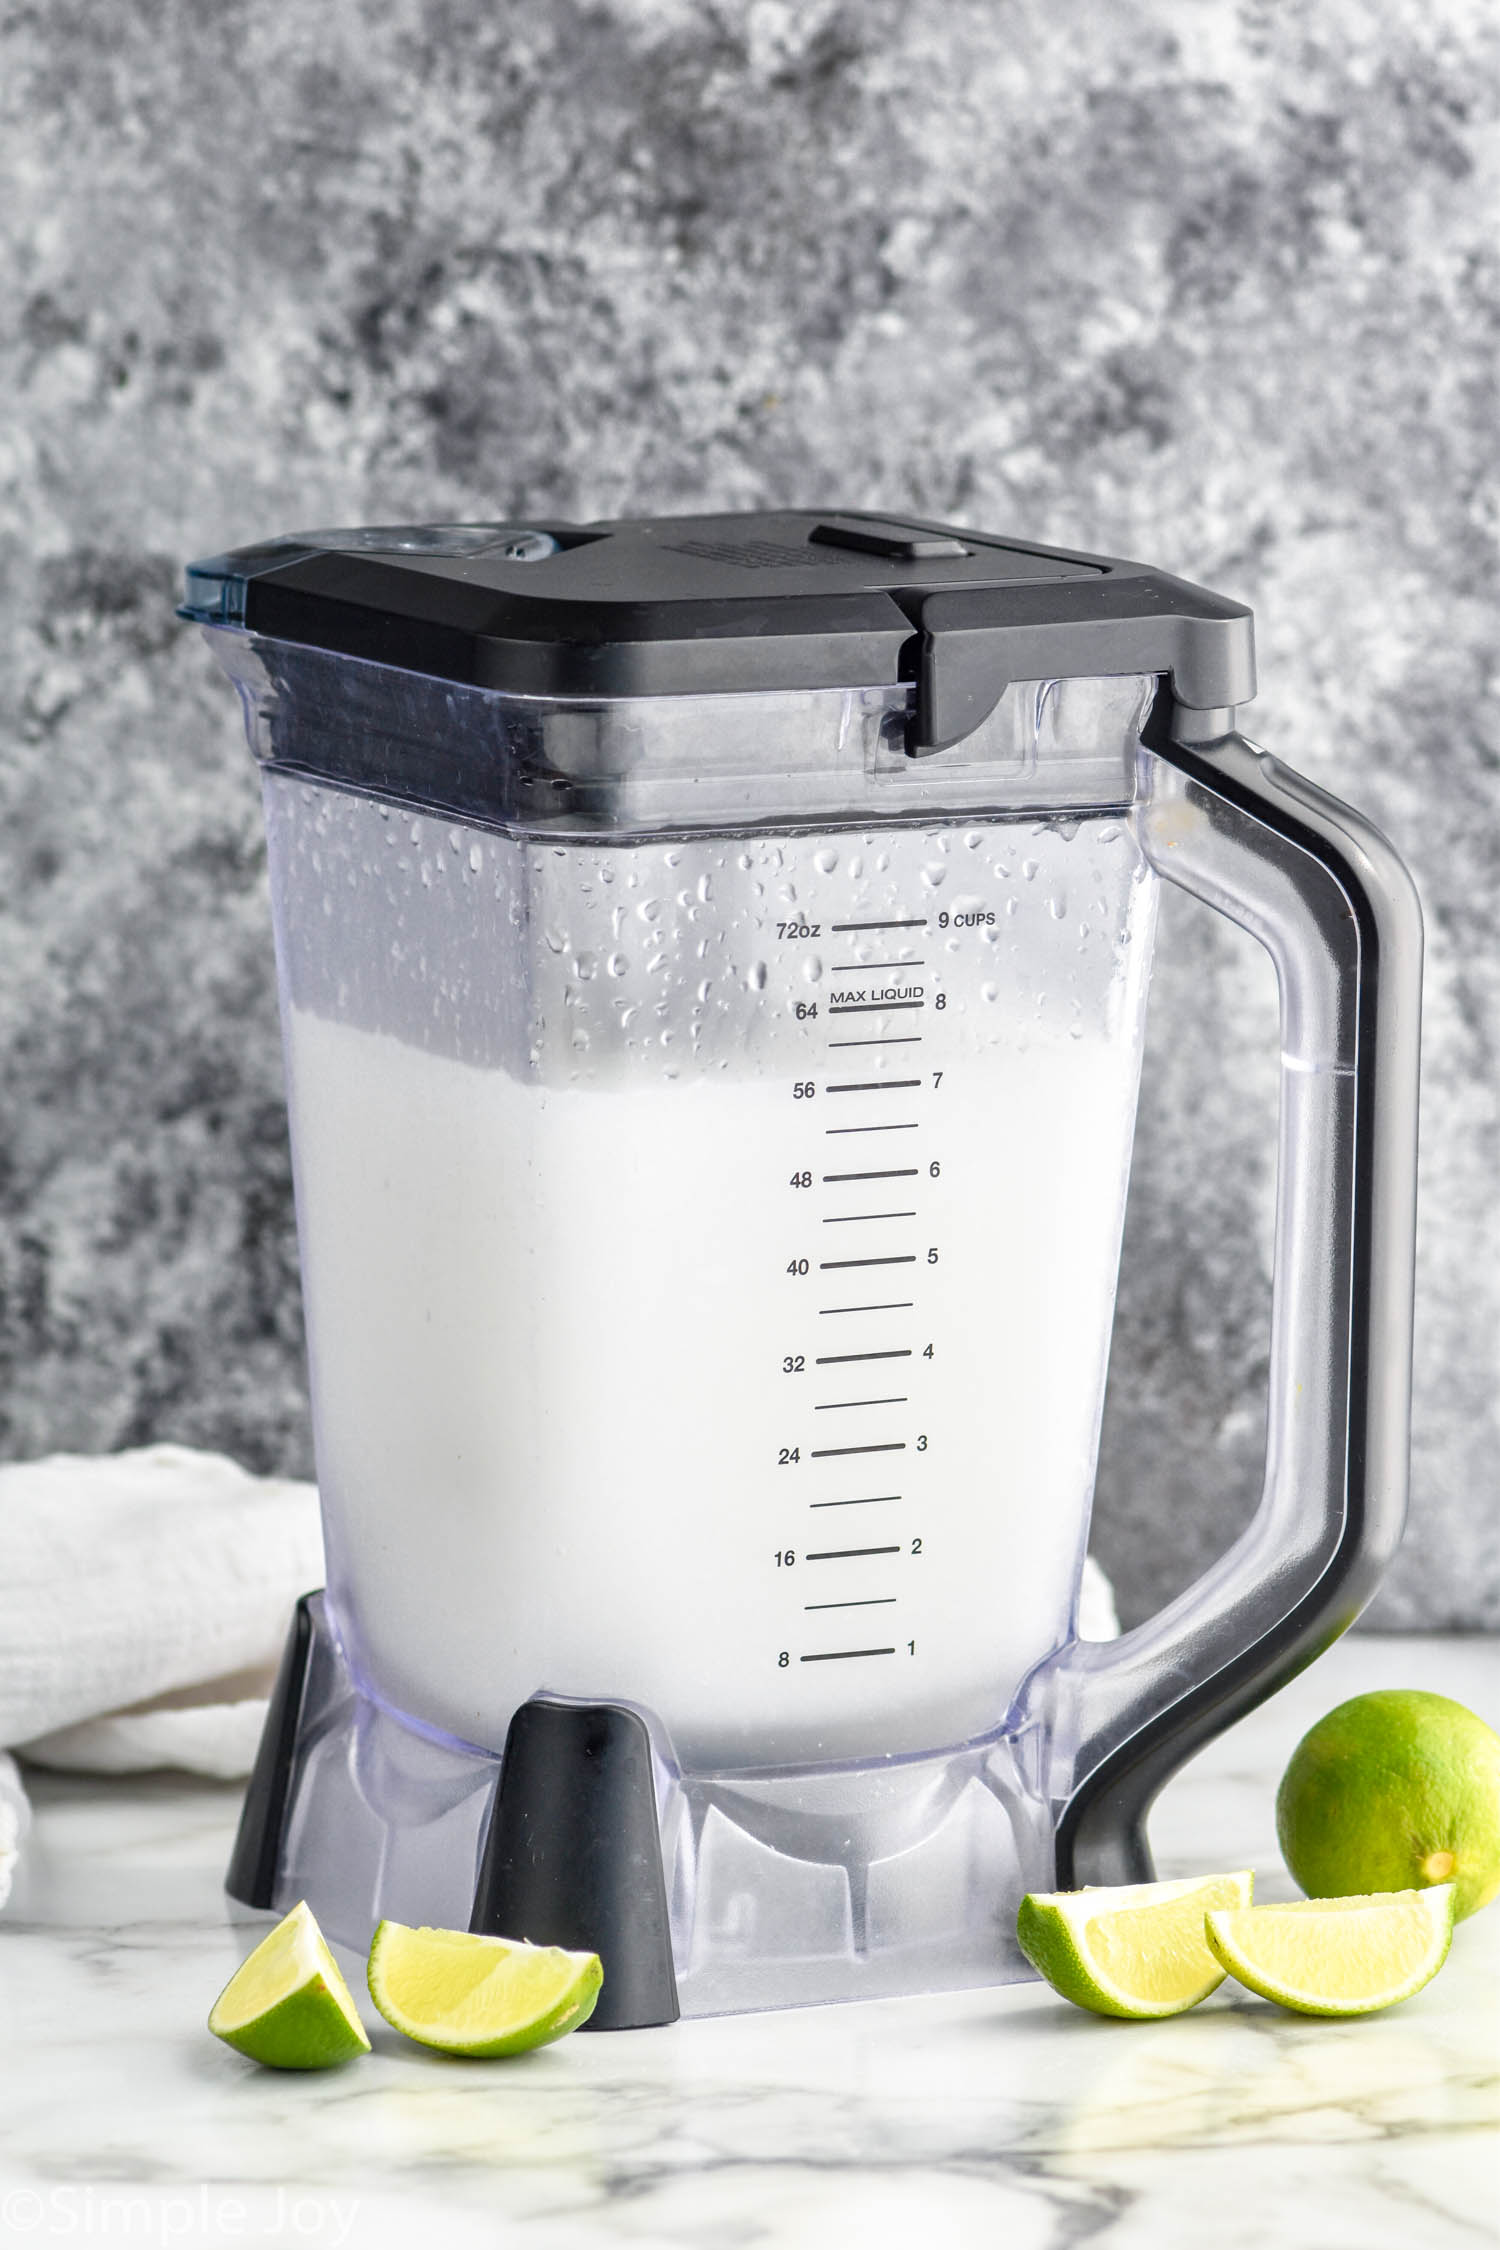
{"points": [[1333, 905]]}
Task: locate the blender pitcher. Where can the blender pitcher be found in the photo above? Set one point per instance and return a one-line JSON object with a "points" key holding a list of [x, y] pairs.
{"points": [[713, 958]]}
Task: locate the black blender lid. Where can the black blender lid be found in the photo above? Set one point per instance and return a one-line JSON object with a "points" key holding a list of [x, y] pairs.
{"points": [[717, 605]]}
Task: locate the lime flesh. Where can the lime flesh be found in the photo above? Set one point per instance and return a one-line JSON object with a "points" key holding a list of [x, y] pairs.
{"points": [[472, 1995], [1394, 1791], [287, 2005], [1338, 1956], [1135, 1950]]}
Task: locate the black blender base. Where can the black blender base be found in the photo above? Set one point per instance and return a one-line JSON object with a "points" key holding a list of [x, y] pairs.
{"points": [[255, 1862], [704, 1892], [571, 1853]]}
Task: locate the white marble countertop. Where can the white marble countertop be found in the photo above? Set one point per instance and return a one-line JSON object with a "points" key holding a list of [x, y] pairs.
{"points": [[980, 2118]]}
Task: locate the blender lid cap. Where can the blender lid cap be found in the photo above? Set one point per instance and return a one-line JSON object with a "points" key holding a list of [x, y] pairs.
{"points": [[730, 604]]}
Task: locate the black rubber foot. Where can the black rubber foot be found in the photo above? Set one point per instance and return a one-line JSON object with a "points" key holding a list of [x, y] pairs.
{"points": [[573, 1854], [256, 1856]]}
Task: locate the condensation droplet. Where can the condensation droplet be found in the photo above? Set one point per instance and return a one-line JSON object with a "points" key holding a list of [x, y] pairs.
{"points": [[755, 977], [1029, 869], [476, 859], [812, 969], [934, 877], [618, 964], [826, 860]]}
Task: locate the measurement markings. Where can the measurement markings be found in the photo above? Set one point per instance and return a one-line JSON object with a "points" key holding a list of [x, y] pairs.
{"points": [[873, 1007], [847, 1554], [839, 1405], [842, 1359], [859, 1218], [902, 1172], [835, 1655], [870, 1085], [871, 1500], [913, 922], [876, 1601], [840, 1452], [841, 1265], [835, 1265], [871, 1128]]}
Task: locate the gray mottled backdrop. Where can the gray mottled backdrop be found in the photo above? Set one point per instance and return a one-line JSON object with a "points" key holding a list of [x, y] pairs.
{"points": [[1216, 284]]}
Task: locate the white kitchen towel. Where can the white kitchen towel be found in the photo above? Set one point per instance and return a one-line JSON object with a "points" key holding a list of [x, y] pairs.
{"points": [[14, 1816], [143, 1599]]}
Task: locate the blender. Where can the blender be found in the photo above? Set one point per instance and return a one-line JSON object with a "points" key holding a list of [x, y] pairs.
{"points": [[714, 957]]}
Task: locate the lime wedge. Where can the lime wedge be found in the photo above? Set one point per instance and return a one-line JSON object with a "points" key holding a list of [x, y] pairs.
{"points": [[474, 1995], [287, 2005], [1131, 1949], [1338, 1956]]}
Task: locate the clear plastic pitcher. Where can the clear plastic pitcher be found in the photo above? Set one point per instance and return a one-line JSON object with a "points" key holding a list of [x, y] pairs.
{"points": [[712, 1099]]}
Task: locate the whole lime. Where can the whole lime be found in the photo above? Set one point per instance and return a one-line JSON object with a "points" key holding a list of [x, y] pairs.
{"points": [[1390, 1792]]}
